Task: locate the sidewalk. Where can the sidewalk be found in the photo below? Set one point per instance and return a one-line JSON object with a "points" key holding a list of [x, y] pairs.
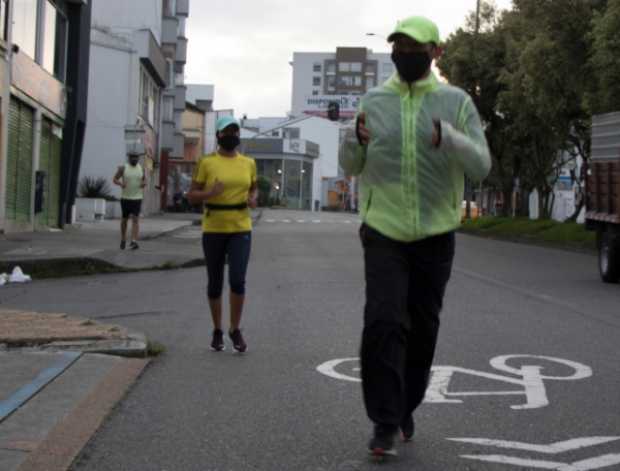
{"points": [[55, 390], [94, 247]]}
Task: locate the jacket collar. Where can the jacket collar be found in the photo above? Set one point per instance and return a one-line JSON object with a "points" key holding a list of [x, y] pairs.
{"points": [[426, 85]]}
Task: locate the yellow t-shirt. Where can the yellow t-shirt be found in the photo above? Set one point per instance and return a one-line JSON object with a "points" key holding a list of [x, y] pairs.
{"points": [[237, 174]]}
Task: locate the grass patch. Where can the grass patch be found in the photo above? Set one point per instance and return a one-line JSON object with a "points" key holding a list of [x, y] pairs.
{"points": [[544, 231], [154, 349]]}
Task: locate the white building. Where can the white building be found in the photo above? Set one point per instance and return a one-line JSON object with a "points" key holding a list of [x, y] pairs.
{"points": [[136, 88], [341, 76], [323, 136]]}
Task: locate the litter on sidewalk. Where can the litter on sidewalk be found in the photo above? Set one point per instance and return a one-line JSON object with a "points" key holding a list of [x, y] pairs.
{"points": [[16, 276]]}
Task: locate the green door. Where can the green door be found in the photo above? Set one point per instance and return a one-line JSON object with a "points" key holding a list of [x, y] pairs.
{"points": [[19, 162], [49, 163]]}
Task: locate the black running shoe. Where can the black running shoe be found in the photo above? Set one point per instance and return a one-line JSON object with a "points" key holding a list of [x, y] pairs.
{"points": [[123, 244], [217, 344], [382, 442], [134, 245], [237, 340], [407, 428]]}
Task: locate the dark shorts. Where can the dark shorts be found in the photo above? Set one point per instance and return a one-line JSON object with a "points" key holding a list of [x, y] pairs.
{"points": [[130, 208]]}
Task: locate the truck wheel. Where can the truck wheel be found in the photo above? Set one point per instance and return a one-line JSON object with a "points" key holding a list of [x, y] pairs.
{"points": [[609, 257]]}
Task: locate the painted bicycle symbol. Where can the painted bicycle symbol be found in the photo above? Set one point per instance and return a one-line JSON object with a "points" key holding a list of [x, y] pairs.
{"points": [[528, 379]]}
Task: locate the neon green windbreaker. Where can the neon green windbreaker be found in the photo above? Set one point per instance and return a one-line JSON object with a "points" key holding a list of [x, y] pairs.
{"points": [[410, 190]]}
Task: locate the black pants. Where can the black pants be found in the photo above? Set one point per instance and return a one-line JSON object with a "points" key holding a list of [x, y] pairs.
{"points": [[405, 286], [217, 247]]}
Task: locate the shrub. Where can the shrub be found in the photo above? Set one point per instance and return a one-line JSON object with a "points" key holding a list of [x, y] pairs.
{"points": [[91, 187]]}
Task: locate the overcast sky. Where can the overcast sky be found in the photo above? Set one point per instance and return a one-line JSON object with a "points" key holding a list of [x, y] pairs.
{"points": [[244, 47]]}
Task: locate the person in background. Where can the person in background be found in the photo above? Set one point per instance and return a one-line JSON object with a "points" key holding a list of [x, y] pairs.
{"points": [[413, 141], [225, 182], [130, 177]]}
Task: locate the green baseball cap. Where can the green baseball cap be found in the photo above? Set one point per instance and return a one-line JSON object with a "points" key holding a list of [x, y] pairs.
{"points": [[226, 121], [419, 28]]}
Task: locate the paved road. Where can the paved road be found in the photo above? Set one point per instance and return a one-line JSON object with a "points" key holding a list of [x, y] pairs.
{"points": [[273, 410]]}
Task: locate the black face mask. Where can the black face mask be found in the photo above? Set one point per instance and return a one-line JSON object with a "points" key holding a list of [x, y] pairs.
{"points": [[133, 162], [411, 66], [228, 143]]}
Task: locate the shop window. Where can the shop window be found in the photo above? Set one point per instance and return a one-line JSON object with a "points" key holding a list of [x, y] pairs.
{"points": [[25, 26], [54, 41]]}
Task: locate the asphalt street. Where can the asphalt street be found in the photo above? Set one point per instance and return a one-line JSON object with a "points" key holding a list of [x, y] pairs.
{"points": [[526, 374]]}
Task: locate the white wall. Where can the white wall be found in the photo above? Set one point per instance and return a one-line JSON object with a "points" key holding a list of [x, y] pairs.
{"points": [[111, 105], [326, 134], [128, 15], [302, 77]]}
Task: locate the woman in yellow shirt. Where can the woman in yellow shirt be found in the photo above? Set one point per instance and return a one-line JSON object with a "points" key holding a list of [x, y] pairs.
{"points": [[226, 183]]}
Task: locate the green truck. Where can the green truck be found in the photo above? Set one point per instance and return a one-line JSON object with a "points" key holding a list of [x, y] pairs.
{"points": [[603, 193]]}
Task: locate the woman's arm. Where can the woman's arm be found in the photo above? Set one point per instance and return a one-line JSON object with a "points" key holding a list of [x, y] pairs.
{"points": [[197, 194]]}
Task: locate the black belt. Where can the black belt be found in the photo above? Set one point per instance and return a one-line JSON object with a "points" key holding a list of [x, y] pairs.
{"points": [[225, 207]]}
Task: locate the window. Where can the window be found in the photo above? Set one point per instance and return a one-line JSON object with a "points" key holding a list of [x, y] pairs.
{"points": [[170, 7], [344, 67], [388, 67], [315, 92], [357, 81], [149, 99], [316, 67], [25, 26], [371, 82], [54, 37], [3, 18], [345, 81], [316, 81], [331, 81], [331, 68], [356, 66]]}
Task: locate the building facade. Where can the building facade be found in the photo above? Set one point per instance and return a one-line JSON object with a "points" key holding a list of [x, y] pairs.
{"points": [[44, 49], [324, 133], [287, 165], [137, 90], [320, 78]]}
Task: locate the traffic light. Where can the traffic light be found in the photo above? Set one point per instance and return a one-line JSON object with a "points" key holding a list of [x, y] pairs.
{"points": [[333, 111]]}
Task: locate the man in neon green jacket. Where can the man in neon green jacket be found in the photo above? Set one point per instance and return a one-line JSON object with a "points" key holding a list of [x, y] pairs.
{"points": [[414, 140]]}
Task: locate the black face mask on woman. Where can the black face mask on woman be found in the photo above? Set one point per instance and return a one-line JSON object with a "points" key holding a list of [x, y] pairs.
{"points": [[411, 66], [228, 143]]}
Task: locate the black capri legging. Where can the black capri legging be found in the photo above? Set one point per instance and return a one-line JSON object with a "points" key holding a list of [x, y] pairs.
{"points": [[217, 247]]}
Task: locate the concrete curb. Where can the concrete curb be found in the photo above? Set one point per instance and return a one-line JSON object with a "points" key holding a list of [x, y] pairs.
{"points": [[70, 267], [135, 346]]}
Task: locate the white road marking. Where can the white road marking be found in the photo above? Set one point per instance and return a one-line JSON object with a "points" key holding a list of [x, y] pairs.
{"points": [[551, 449], [530, 379], [598, 462]]}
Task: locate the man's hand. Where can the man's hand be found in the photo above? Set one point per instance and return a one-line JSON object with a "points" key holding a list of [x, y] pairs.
{"points": [[253, 201], [363, 134]]}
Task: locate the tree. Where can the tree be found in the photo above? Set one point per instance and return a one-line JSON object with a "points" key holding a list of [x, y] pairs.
{"points": [[604, 93], [474, 61]]}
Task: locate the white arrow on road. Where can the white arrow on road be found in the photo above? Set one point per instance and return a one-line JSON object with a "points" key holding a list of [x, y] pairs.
{"points": [[598, 462], [552, 449], [586, 465]]}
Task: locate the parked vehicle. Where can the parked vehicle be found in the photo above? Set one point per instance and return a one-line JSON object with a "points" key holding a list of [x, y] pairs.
{"points": [[603, 193]]}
